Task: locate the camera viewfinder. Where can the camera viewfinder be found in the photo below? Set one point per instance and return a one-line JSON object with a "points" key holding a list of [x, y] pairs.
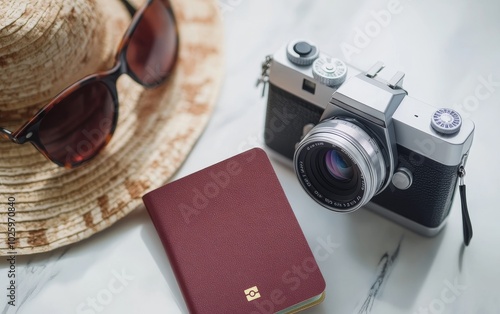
{"points": [[309, 86]]}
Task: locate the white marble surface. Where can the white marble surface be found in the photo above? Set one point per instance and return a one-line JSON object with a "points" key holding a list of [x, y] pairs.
{"points": [[444, 47]]}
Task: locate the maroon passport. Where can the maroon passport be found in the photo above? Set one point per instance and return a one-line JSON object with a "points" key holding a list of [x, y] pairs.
{"points": [[233, 241]]}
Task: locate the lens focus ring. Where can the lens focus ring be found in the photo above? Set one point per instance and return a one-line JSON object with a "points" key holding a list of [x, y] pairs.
{"points": [[345, 147]]}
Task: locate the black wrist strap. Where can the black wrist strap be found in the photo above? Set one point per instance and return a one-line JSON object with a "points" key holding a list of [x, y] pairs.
{"points": [[465, 212]]}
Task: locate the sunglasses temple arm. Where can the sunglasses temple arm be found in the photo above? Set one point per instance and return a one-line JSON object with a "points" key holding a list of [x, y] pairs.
{"points": [[6, 134], [130, 8]]}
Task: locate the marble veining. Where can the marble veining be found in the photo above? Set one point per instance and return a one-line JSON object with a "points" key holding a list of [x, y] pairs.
{"points": [[386, 263], [33, 275]]}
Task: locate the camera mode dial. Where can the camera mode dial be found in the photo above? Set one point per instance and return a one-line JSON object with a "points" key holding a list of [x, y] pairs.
{"points": [[446, 121], [329, 71], [301, 52]]}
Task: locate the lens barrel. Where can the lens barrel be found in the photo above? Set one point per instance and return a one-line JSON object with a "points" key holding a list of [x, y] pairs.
{"points": [[339, 165]]}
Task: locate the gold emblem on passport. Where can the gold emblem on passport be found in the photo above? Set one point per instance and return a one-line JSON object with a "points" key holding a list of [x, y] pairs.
{"points": [[252, 293]]}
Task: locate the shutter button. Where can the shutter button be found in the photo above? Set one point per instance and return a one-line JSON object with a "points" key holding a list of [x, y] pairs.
{"points": [[301, 52], [302, 48]]}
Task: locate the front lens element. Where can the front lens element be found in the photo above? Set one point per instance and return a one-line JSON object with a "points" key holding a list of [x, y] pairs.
{"points": [[339, 165]]}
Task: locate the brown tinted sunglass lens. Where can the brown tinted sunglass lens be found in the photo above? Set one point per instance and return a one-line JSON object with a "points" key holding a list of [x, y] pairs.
{"points": [[152, 48], [79, 126]]}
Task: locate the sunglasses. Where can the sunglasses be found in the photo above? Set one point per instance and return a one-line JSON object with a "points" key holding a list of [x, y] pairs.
{"points": [[79, 122]]}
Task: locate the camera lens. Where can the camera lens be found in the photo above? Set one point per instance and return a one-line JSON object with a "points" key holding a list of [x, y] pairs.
{"points": [[333, 170], [339, 165]]}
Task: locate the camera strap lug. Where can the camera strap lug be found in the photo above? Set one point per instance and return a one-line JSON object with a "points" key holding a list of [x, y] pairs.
{"points": [[264, 76], [467, 224]]}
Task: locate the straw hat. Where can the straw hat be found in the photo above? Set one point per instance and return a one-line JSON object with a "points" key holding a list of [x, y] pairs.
{"points": [[47, 45]]}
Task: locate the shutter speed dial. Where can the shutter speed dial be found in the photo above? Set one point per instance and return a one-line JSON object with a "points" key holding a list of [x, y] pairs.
{"points": [[329, 71], [446, 121]]}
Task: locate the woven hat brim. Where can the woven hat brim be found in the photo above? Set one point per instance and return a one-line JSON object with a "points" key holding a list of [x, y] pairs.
{"points": [[156, 131]]}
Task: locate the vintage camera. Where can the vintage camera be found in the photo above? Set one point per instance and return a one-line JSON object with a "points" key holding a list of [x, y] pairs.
{"points": [[357, 139]]}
